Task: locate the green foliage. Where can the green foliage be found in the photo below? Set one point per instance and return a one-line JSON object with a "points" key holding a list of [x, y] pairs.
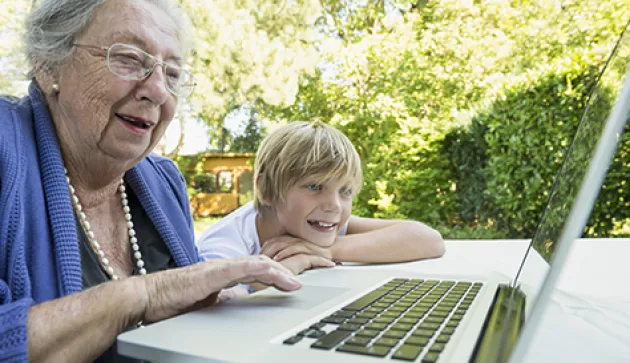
{"points": [[461, 111], [248, 50], [610, 215], [249, 140], [204, 182], [12, 59]]}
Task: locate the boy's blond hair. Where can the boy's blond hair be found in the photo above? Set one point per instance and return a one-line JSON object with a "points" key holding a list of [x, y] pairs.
{"points": [[301, 150]]}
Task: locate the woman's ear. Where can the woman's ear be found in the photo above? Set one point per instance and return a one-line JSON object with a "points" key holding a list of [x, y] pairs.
{"points": [[47, 79]]}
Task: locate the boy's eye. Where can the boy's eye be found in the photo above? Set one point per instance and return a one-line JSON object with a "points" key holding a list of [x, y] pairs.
{"points": [[314, 187], [346, 192]]}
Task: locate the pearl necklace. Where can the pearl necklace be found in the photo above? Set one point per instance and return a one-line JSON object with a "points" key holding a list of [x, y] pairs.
{"points": [[90, 235]]}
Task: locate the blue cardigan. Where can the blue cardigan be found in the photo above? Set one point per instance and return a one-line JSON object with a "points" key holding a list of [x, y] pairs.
{"points": [[39, 251]]}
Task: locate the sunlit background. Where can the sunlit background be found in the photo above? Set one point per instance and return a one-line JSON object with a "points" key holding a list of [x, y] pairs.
{"points": [[461, 110]]}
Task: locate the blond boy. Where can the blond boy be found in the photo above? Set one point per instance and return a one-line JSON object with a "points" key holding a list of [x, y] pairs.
{"points": [[306, 175]]}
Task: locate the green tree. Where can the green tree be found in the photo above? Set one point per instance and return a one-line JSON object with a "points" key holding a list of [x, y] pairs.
{"points": [[251, 136], [250, 50], [12, 59], [397, 77]]}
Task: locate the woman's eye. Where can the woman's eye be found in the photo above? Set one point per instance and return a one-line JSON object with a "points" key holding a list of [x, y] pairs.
{"points": [[314, 187], [346, 192]]}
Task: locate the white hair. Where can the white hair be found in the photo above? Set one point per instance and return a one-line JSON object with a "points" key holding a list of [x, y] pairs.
{"points": [[53, 26]]}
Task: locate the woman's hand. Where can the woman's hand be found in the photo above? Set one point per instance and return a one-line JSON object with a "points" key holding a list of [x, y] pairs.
{"points": [[173, 292], [283, 247]]}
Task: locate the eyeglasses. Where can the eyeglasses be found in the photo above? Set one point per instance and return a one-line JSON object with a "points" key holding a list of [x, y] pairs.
{"points": [[131, 63]]}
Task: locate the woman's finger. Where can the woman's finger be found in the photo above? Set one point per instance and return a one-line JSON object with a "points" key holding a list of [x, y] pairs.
{"points": [[251, 269]]}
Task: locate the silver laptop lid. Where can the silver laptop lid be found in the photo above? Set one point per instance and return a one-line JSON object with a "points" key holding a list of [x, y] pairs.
{"points": [[578, 182]]}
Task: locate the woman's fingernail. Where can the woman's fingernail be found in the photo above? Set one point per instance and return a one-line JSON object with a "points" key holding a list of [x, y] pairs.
{"points": [[294, 281]]}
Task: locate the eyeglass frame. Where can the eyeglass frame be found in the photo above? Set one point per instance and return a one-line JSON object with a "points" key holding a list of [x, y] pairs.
{"points": [[149, 71]]}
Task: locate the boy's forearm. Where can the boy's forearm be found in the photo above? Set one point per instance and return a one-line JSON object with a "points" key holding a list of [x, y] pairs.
{"points": [[401, 242]]}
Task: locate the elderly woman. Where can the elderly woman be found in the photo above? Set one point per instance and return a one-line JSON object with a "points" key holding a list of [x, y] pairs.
{"points": [[93, 226]]}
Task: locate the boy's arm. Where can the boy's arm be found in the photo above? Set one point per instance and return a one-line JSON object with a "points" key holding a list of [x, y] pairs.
{"points": [[367, 240], [380, 241]]}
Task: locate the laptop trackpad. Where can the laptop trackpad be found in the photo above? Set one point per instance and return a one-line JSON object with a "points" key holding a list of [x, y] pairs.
{"points": [[306, 298]]}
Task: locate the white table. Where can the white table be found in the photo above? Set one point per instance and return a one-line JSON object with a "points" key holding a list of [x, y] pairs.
{"points": [[589, 318]]}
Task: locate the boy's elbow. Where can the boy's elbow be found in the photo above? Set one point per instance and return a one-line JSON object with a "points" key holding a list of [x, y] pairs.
{"points": [[438, 248], [432, 243]]}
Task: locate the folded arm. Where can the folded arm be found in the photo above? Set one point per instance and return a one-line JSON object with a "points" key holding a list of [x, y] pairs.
{"points": [[367, 240], [380, 241]]}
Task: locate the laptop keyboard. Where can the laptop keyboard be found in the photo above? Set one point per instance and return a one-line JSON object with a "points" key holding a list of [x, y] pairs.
{"points": [[405, 319]]}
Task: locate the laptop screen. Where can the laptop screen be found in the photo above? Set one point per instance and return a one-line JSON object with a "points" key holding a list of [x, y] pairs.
{"points": [[574, 168]]}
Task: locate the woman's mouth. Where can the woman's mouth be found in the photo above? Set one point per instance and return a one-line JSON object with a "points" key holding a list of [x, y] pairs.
{"points": [[136, 124]]}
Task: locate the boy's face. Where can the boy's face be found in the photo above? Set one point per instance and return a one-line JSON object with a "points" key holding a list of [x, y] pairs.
{"points": [[316, 211]]}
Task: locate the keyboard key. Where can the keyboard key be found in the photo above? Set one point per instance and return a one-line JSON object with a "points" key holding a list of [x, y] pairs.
{"points": [[402, 326], [414, 315], [362, 341], [452, 323], [358, 320], [386, 342], [366, 300], [437, 347], [423, 333], [367, 333], [429, 326], [384, 320], [343, 314], [373, 309], [315, 333], [331, 339], [367, 314], [434, 319], [448, 330], [376, 326], [294, 339], [408, 320], [407, 352], [442, 338], [396, 334], [431, 357], [333, 320], [349, 326], [392, 314], [419, 341], [378, 351], [439, 314]]}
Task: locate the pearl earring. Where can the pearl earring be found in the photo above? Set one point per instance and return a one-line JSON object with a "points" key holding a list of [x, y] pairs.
{"points": [[55, 87]]}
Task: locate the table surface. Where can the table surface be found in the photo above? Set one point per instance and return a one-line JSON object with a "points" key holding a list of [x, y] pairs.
{"points": [[588, 319]]}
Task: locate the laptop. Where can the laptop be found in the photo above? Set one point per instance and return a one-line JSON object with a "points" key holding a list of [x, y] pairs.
{"points": [[356, 315]]}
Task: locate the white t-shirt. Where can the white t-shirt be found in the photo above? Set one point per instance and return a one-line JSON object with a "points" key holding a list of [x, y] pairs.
{"points": [[232, 236]]}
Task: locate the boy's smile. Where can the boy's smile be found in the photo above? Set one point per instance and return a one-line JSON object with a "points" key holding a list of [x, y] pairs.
{"points": [[322, 226]]}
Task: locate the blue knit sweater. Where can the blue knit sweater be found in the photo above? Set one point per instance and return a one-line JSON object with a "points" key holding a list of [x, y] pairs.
{"points": [[39, 251]]}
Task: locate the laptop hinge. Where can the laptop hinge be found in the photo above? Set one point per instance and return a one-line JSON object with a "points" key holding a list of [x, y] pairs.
{"points": [[502, 326]]}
